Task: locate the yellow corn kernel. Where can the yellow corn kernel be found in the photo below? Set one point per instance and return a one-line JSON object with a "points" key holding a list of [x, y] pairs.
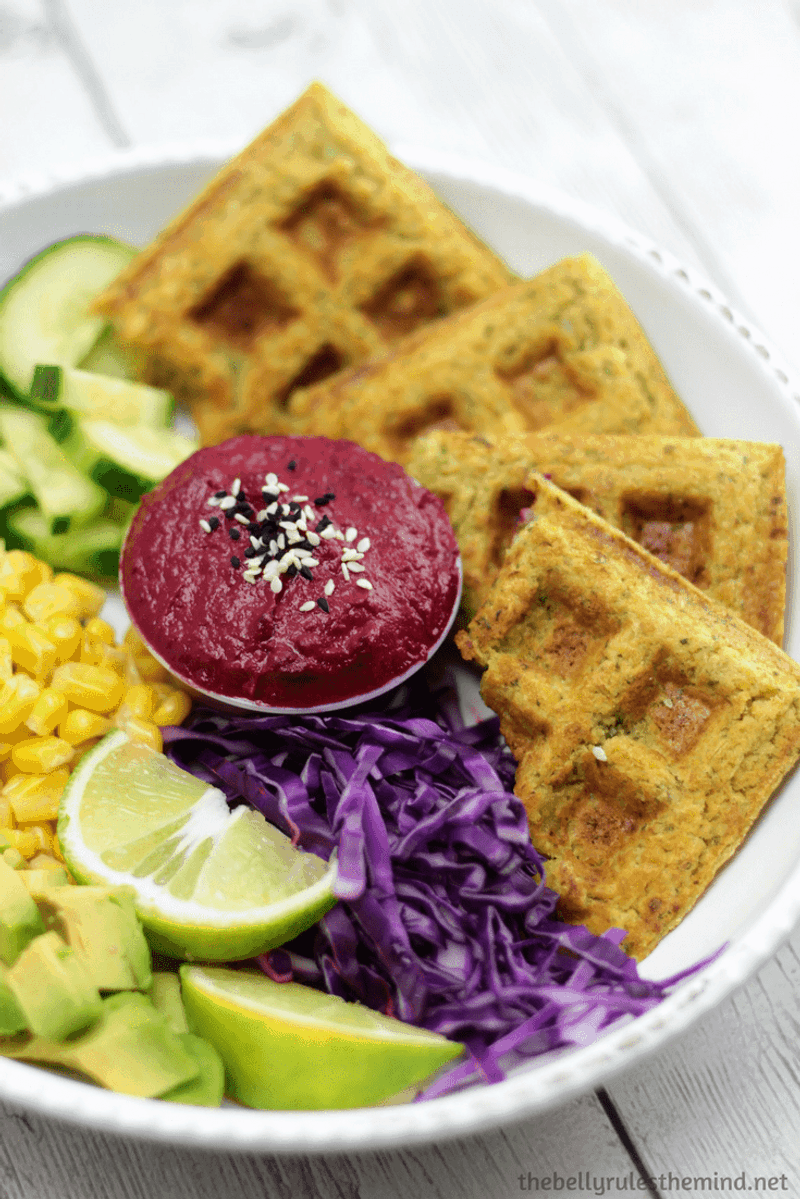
{"points": [[139, 701], [172, 709], [46, 600], [97, 653], [19, 572], [13, 858], [6, 661], [32, 650], [22, 840], [142, 730], [41, 755], [10, 618], [6, 813], [17, 698], [35, 797], [8, 770], [44, 837], [151, 670], [80, 724], [88, 686], [101, 630], [133, 643], [66, 634], [91, 596], [131, 672], [50, 708]]}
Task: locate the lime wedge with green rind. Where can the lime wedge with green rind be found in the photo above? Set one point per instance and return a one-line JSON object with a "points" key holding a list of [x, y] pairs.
{"points": [[286, 1046], [209, 883]]}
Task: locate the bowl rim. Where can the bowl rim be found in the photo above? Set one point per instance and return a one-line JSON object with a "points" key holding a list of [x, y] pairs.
{"points": [[550, 1084]]}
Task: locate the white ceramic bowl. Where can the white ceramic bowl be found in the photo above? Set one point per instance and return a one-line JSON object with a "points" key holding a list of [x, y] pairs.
{"points": [[734, 385]]}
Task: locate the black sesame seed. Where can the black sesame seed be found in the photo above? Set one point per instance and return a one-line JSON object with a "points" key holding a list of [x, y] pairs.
{"points": [[291, 571], [323, 603], [251, 553], [235, 563], [292, 465], [305, 571], [323, 524], [220, 495], [234, 534], [214, 522], [321, 500]]}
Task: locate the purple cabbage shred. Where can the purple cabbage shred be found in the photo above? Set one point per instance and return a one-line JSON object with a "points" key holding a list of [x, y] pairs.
{"points": [[444, 919]]}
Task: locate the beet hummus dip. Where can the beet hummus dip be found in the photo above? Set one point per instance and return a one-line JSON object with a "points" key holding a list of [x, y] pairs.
{"points": [[290, 573]]}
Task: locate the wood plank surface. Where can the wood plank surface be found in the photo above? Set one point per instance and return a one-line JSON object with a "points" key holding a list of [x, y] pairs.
{"points": [[678, 118]]}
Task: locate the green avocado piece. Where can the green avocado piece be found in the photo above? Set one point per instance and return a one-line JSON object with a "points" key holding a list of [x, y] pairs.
{"points": [[100, 924], [53, 988], [11, 1018], [20, 920], [41, 880], [208, 1088], [130, 1049], [165, 995]]}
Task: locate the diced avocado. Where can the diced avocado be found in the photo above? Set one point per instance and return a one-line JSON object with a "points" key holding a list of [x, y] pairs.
{"points": [[53, 988], [11, 1018], [101, 926], [39, 881], [165, 994], [208, 1088], [130, 1049], [20, 920]]}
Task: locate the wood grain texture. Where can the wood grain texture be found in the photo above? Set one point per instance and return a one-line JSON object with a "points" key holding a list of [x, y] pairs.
{"points": [[680, 119]]}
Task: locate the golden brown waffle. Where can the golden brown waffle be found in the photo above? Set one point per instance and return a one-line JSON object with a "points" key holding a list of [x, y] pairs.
{"points": [[650, 724], [311, 250], [713, 509], [562, 350]]}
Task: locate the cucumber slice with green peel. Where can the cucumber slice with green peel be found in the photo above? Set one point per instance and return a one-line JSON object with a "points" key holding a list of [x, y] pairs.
{"points": [[101, 397], [93, 549], [126, 460], [44, 309], [14, 485], [65, 496], [108, 357]]}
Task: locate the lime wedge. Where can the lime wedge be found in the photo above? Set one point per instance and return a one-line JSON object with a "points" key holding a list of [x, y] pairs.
{"points": [[289, 1046], [210, 883]]}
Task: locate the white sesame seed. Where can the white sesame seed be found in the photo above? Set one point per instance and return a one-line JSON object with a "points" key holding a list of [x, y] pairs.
{"points": [[310, 561], [205, 526], [351, 556], [281, 541], [271, 569], [356, 566], [262, 515], [599, 753], [213, 502], [363, 545], [338, 534], [272, 509], [365, 583], [307, 606], [276, 585], [282, 487], [309, 513], [241, 519], [329, 586], [345, 572], [237, 486], [228, 502], [271, 479], [255, 542], [299, 499], [273, 547], [311, 537], [351, 534], [301, 525], [250, 578], [328, 532]]}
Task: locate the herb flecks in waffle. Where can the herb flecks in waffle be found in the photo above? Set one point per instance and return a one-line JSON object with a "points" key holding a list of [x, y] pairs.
{"points": [[650, 724]]}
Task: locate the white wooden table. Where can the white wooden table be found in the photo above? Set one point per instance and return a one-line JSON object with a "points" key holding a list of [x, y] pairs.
{"points": [[680, 118]]}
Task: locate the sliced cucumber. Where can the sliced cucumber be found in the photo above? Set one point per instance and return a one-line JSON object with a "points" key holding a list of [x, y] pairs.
{"points": [[44, 309], [101, 397], [127, 460], [93, 549], [13, 483], [108, 357], [66, 497]]}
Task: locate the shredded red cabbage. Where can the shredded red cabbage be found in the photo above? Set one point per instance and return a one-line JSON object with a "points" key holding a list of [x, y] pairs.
{"points": [[444, 917]]}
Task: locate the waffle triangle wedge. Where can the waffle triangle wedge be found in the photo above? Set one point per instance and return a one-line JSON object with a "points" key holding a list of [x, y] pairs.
{"points": [[650, 725]]}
